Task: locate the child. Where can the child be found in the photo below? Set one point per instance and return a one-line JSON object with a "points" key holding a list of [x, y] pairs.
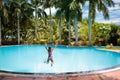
{"points": [[50, 50]]}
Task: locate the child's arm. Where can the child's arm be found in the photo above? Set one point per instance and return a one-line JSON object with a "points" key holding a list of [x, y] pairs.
{"points": [[54, 46], [46, 46]]}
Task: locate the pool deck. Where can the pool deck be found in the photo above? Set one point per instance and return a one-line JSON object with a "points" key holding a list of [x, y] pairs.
{"points": [[113, 75], [118, 51]]}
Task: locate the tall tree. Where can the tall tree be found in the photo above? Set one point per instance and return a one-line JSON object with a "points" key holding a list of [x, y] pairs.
{"points": [[49, 4], [3, 17], [17, 6], [59, 16], [1, 3], [20, 10], [39, 12], [101, 6], [76, 8], [64, 6]]}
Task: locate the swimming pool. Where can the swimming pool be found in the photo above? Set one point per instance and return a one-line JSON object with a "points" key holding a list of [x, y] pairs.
{"points": [[30, 59]]}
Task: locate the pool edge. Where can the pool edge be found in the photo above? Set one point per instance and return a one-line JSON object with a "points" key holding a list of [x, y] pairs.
{"points": [[81, 73]]}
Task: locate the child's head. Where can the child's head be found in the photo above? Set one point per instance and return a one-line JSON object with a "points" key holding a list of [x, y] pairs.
{"points": [[49, 47]]}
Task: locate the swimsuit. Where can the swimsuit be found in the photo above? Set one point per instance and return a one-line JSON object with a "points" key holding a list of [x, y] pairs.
{"points": [[50, 54]]}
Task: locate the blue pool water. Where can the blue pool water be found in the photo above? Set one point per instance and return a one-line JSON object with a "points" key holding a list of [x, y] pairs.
{"points": [[30, 59]]}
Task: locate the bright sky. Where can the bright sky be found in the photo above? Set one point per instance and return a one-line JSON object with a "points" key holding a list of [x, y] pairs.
{"points": [[114, 13]]}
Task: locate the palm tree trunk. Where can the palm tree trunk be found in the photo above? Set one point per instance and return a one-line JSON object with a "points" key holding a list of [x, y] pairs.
{"points": [[36, 14], [0, 33], [51, 32], [89, 30], [76, 30], [60, 30], [0, 25], [18, 30], [69, 32]]}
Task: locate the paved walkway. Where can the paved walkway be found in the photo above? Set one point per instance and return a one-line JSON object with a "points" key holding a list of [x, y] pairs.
{"points": [[114, 75]]}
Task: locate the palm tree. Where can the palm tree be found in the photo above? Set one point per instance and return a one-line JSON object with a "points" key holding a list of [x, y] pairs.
{"points": [[59, 16], [76, 29], [1, 3], [64, 7], [51, 30], [101, 6], [18, 13], [21, 11], [36, 4], [75, 6], [4, 15], [49, 4], [36, 16]]}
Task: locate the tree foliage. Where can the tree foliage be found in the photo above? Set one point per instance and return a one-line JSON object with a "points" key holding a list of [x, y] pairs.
{"points": [[102, 34]]}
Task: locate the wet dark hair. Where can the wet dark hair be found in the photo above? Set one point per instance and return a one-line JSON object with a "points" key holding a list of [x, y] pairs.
{"points": [[49, 47]]}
